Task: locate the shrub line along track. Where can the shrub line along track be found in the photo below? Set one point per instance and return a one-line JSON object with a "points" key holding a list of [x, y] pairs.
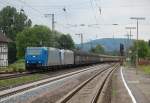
{"points": [[99, 91], [9, 92]]}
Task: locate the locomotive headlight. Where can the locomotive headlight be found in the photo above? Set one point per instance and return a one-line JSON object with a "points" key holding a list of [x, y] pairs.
{"points": [[39, 61], [27, 61]]}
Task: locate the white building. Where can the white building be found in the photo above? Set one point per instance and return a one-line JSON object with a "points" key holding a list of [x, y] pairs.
{"points": [[3, 50]]}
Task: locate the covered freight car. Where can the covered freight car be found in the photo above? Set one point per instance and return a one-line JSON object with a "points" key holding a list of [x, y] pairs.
{"points": [[60, 57], [68, 57], [84, 58], [54, 57]]}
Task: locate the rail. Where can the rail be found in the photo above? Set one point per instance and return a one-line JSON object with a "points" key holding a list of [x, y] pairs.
{"points": [[98, 91]]}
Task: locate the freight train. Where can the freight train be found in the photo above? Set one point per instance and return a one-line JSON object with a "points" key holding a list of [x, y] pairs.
{"points": [[48, 57]]}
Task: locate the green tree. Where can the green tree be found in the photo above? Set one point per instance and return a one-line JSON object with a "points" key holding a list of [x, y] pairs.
{"points": [[98, 50], [35, 36], [149, 49], [66, 42], [143, 50], [13, 22], [149, 53]]}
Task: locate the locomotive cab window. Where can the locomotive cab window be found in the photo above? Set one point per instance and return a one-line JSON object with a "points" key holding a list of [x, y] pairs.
{"points": [[33, 52]]}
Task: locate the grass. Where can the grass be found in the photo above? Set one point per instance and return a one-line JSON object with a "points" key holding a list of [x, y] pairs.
{"points": [[18, 66], [114, 92], [145, 69], [19, 80]]}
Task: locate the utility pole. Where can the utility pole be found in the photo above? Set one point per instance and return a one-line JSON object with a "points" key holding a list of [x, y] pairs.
{"points": [[130, 28], [137, 22], [129, 36], [81, 36], [127, 47], [82, 40], [53, 25], [53, 20], [127, 40], [91, 44]]}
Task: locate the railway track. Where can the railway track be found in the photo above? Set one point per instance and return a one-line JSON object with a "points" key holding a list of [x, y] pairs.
{"points": [[92, 90], [9, 76], [44, 75], [16, 75], [10, 92]]}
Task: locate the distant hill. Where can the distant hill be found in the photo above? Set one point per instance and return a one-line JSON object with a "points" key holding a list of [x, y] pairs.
{"points": [[109, 44]]}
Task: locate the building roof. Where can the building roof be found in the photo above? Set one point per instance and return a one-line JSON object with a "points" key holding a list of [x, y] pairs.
{"points": [[4, 39]]}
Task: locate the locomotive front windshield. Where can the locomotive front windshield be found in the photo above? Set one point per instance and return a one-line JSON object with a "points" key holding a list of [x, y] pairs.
{"points": [[33, 51]]}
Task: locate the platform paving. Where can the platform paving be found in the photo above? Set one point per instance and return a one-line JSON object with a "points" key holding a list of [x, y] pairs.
{"points": [[119, 94], [139, 84]]}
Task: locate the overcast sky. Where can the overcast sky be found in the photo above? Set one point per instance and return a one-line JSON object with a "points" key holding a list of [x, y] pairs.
{"points": [[96, 24]]}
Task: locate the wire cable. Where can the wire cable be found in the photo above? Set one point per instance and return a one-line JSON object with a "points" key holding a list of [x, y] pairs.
{"points": [[92, 7]]}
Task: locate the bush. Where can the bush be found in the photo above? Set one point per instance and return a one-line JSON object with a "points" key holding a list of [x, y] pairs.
{"points": [[14, 69], [20, 70], [18, 66]]}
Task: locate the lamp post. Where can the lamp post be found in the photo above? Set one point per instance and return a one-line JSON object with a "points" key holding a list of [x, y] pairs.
{"points": [[113, 32], [137, 22], [81, 36]]}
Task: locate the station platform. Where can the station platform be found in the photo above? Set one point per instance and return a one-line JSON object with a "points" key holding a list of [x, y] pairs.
{"points": [[138, 85]]}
